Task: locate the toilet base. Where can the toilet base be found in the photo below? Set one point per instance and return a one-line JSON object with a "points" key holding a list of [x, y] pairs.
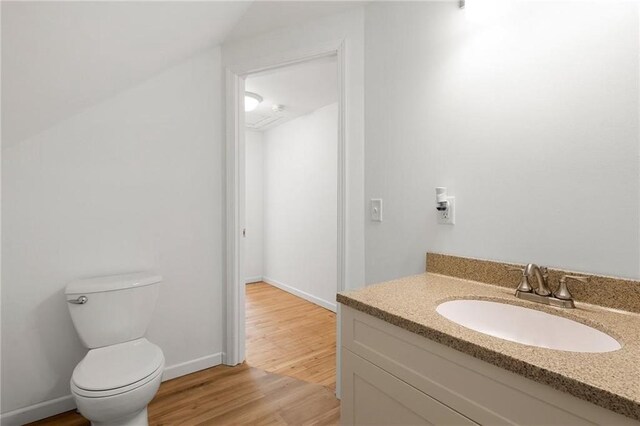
{"points": [[136, 419]]}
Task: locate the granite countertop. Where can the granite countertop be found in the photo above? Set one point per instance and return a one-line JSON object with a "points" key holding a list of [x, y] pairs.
{"points": [[610, 380]]}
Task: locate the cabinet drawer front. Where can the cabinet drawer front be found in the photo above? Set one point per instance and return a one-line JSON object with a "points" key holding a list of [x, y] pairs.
{"points": [[480, 391], [371, 396]]}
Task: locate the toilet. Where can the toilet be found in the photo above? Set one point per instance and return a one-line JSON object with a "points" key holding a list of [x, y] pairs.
{"points": [[121, 373]]}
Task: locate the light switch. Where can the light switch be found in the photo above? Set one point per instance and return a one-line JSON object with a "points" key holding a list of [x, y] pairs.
{"points": [[376, 209]]}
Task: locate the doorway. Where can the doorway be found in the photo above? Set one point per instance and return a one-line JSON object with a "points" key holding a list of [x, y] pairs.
{"points": [[290, 239], [236, 185]]}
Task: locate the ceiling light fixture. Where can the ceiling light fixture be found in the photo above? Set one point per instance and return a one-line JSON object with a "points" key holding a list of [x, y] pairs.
{"points": [[251, 101]]}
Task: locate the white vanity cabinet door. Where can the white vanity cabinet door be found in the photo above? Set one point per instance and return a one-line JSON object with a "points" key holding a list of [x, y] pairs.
{"points": [[371, 396]]}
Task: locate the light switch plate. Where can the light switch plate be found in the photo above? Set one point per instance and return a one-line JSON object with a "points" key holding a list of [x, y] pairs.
{"points": [[448, 217], [376, 209]]}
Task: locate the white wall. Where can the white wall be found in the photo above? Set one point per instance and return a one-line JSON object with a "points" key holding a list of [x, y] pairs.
{"points": [[270, 48], [254, 159], [530, 119], [300, 205], [133, 183]]}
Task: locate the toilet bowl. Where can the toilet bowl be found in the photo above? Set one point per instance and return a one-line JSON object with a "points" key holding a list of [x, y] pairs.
{"points": [[113, 385], [121, 373]]}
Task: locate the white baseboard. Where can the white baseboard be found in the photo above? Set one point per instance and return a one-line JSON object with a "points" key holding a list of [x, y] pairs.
{"points": [[191, 366], [306, 296], [38, 411], [255, 279], [65, 403]]}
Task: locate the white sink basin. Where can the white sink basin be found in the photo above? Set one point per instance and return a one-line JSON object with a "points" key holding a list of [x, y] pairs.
{"points": [[527, 326]]}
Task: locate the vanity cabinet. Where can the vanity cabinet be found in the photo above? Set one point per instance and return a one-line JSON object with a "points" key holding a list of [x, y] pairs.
{"points": [[392, 376]]}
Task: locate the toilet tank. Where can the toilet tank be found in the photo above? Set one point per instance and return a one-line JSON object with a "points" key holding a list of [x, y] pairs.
{"points": [[112, 309]]}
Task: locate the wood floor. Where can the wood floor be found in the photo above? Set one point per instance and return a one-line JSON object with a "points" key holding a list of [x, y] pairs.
{"points": [[288, 335], [288, 379]]}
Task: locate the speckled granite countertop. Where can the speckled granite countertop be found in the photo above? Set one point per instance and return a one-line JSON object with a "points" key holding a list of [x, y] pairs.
{"points": [[611, 380]]}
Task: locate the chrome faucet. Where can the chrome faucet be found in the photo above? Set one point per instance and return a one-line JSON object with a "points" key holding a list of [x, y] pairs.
{"points": [[542, 293]]}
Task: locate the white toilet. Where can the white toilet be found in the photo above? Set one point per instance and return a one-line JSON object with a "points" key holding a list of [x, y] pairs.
{"points": [[121, 373]]}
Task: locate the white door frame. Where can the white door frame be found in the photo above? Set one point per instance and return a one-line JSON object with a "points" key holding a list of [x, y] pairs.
{"points": [[235, 185]]}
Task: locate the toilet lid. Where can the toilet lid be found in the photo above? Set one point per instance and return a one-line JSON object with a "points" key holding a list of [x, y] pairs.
{"points": [[118, 365]]}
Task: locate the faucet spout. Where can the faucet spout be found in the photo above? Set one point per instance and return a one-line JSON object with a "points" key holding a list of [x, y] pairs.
{"points": [[540, 275]]}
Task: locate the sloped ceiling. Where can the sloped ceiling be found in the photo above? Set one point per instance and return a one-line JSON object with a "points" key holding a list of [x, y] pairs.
{"points": [[59, 58], [264, 16]]}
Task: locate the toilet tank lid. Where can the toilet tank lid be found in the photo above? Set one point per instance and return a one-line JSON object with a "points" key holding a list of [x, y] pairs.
{"points": [[112, 282]]}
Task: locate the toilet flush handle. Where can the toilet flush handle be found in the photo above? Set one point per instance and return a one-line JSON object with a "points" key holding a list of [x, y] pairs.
{"points": [[79, 301]]}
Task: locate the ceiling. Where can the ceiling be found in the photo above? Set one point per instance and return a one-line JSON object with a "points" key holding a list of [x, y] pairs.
{"points": [[263, 16], [300, 89], [61, 57]]}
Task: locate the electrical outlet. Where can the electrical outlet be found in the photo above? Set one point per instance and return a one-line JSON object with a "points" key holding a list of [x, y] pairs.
{"points": [[448, 216]]}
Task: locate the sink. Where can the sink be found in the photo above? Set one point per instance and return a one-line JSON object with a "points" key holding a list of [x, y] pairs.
{"points": [[527, 326]]}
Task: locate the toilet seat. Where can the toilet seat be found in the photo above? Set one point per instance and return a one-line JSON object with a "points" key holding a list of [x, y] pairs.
{"points": [[112, 370]]}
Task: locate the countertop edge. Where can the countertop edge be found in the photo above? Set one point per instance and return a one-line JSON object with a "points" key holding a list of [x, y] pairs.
{"points": [[574, 387]]}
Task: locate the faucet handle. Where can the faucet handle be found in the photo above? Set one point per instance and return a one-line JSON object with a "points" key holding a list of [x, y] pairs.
{"points": [[574, 277], [563, 292], [524, 285]]}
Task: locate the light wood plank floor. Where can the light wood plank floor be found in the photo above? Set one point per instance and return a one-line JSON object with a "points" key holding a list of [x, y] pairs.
{"points": [[278, 325], [288, 335]]}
